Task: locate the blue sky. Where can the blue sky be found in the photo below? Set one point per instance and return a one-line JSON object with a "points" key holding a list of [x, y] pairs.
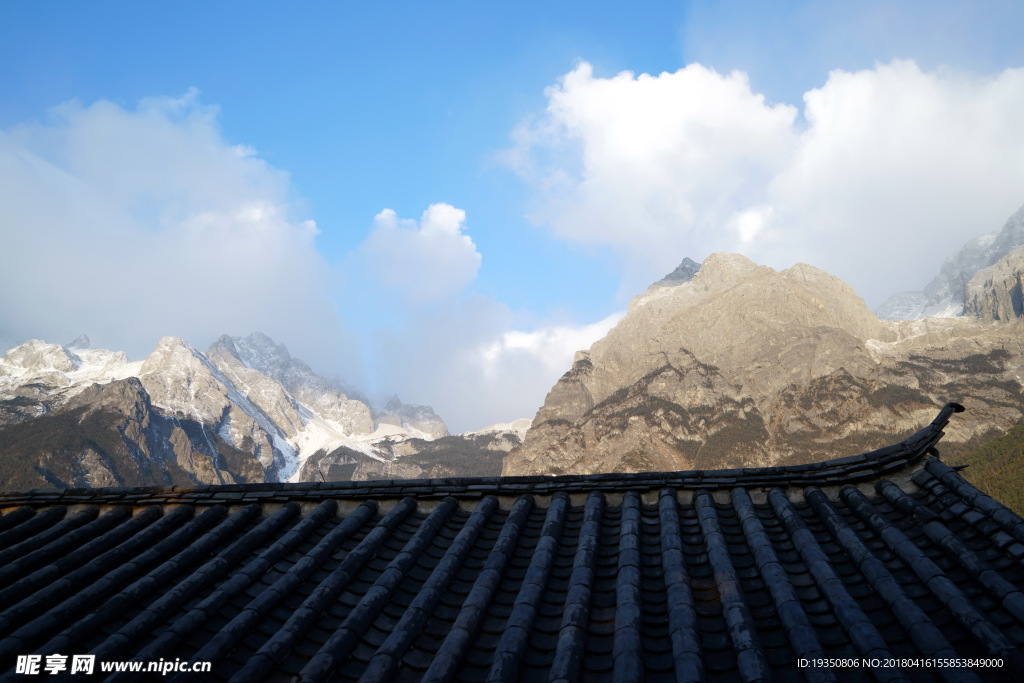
{"points": [[273, 168]]}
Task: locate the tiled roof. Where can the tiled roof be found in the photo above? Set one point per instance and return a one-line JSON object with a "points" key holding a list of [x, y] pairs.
{"points": [[727, 575]]}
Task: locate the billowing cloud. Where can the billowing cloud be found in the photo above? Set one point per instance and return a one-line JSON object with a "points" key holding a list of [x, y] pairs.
{"points": [[547, 350], [896, 169], [129, 225], [654, 166], [889, 170], [424, 260]]}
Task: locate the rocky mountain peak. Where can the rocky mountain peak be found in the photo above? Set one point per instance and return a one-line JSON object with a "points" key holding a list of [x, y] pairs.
{"points": [[39, 356], [725, 262], [412, 417], [244, 411], [126, 396], [718, 272], [170, 351], [80, 343], [180, 379], [226, 344], [684, 272], [259, 352], [747, 366], [734, 303], [722, 270]]}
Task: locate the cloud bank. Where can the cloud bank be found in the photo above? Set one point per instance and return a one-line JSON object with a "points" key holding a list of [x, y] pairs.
{"points": [[882, 174], [133, 224]]}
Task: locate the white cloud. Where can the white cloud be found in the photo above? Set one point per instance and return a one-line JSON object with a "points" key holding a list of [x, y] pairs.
{"points": [[132, 224], [891, 169], [476, 364], [548, 350], [898, 168], [652, 165], [423, 260]]}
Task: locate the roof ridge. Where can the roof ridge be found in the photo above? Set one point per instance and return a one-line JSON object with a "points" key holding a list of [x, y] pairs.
{"points": [[848, 469]]}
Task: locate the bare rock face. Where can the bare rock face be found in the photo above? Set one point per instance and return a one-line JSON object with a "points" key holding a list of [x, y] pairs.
{"points": [[745, 366], [111, 435], [994, 293], [244, 411], [42, 362], [266, 393], [267, 368], [470, 454], [183, 382], [684, 272], [178, 380]]}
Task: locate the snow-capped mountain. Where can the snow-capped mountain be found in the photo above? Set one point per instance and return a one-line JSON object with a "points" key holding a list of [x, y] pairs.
{"points": [[244, 410], [946, 295]]}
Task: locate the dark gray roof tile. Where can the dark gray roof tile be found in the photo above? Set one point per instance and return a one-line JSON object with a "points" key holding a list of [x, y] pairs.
{"points": [[340, 644], [215, 568], [750, 658], [1010, 597], [682, 618], [932, 576], [35, 531], [627, 649], [456, 644], [571, 635], [928, 638], [260, 607], [17, 516], [861, 630]]}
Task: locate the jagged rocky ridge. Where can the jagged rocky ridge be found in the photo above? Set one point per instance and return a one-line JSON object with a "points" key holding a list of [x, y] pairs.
{"points": [[244, 411], [745, 366]]}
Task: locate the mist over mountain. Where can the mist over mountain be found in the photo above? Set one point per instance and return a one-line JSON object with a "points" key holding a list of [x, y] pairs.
{"points": [[947, 293]]}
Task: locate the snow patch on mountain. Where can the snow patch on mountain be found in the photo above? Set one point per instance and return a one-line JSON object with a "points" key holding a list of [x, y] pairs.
{"points": [[518, 427], [248, 392], [39, 361]]}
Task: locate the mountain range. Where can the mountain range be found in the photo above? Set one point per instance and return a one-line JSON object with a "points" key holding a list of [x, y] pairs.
{"points": [[243, 411], [720, 364]]}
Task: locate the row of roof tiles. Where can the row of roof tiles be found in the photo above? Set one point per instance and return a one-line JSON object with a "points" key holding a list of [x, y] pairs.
{"points": [[737, 586]]}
